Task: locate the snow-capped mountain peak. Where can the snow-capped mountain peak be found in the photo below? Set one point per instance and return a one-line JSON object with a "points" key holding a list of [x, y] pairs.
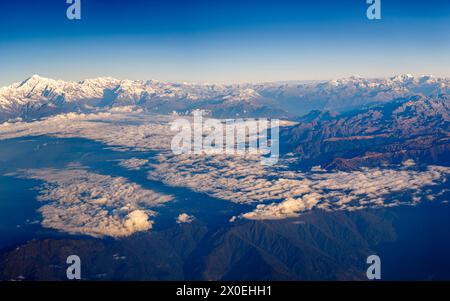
{"points": [[402, 77], [40, 96]]}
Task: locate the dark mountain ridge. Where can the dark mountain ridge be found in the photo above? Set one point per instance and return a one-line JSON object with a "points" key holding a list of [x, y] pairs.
{"points": [[415, 128]]}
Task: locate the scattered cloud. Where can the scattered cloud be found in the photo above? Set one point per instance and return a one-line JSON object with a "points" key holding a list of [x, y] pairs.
{"points": [[232, 219], [279, 192], [133, 163], [81, 202], [184, 218], [409, 163]]}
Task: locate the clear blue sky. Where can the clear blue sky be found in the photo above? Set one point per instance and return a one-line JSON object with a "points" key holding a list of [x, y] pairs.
{"points": [[223, 40]]}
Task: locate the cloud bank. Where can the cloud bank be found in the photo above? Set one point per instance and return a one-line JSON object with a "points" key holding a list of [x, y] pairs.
{"points": [[81, 202], [121, 130], [275, 192], [282, 193]]}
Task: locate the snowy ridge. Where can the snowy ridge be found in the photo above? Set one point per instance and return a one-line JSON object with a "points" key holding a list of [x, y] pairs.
{"points": [[38, 96]]}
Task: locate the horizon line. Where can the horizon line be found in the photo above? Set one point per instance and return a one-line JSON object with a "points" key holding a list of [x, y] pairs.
{"points": [[287, 81]]}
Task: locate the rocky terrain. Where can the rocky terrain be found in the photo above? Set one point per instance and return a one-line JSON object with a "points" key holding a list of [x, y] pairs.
{"points": [[415, 128]]}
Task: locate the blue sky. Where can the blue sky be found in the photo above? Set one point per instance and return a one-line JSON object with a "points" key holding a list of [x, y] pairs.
{"points": [[223, 40]]}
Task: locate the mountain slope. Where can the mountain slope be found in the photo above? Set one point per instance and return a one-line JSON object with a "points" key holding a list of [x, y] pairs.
{"points": [[319, 246], [37, 96], [350, 93], [415, 128]]}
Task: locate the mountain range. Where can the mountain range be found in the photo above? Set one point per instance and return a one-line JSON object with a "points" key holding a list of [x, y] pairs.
{"points": [[37, 96], [416, 128], [345, 124], [322, 246]]}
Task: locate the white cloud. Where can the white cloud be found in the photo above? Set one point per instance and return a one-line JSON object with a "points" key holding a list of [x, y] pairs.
{"points": [[368, 188], [122, 130], [409, 163], [78, 201], [184, 218], [239, 179], [137, 220], [279, 192], [133, 163]]}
